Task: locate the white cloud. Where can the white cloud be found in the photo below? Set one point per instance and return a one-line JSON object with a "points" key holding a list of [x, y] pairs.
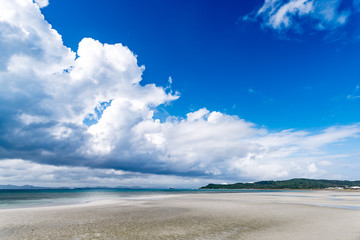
{"points": [[21, 172], [355, 94], [250, 90], [293, 14], [236, 148], [352, 97], [280, 17], [312, 168], [42, 3], [46, 95]]}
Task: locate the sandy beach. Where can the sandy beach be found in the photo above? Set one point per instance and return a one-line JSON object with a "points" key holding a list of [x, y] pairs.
{"points": [[271, 215]]}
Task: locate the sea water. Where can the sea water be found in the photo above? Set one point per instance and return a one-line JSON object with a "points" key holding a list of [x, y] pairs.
{"points": [[24, 198], [51, 197]]}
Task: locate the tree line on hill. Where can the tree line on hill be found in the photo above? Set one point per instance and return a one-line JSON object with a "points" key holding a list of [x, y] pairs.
{"points": [[297, 183]]}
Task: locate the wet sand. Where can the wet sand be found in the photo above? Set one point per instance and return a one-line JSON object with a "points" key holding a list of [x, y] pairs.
{"points": [[279, 215]]}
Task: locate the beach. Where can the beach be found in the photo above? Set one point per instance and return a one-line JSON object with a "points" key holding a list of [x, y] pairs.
{"points": [[249, 215]]}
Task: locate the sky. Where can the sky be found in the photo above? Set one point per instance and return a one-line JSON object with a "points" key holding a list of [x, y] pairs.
{"points": [[178, 93]]}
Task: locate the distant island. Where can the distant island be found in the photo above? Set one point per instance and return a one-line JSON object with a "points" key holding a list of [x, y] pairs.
{"points": [[296, 183]]}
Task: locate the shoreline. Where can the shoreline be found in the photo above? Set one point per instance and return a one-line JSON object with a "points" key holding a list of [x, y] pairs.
{"points": [[121, 199]]}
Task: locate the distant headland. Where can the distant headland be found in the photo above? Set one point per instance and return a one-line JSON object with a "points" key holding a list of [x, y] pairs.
{"points": [[296, 183]]}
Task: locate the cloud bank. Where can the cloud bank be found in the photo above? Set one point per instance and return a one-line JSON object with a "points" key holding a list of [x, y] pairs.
{"points": [[86, 117]]}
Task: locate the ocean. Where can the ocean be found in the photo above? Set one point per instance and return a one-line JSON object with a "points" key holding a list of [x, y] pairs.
{"points": [[22, 198]]}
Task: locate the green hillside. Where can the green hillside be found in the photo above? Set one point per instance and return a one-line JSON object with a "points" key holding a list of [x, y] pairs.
{"points": [[297, 183]]}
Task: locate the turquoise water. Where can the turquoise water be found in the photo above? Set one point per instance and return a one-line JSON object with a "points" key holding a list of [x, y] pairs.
{"points": [[50, 197]]}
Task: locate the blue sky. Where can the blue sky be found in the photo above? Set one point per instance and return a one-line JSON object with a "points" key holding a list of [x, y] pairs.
{"points": [[218, 61], [178, 92]]}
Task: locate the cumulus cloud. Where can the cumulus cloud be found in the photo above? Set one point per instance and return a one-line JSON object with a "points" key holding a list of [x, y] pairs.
{"points": [[21, 172], [42, 3], [65, 118], [283, 15]]}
